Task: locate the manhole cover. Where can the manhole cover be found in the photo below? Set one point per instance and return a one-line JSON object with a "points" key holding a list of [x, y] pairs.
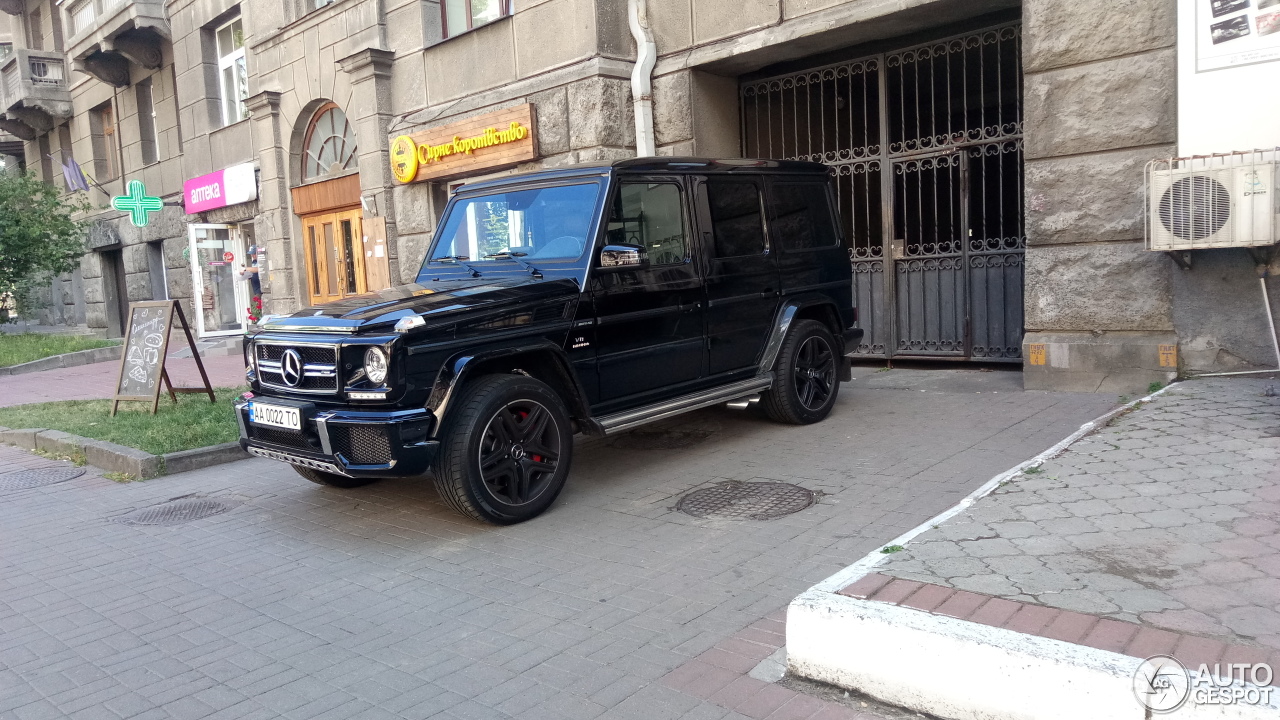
{"points": [[39, 477], [735, 500], [659, 439], [174, 512]]}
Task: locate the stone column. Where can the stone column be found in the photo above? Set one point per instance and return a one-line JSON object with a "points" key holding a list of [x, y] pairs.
{"points": [[1100, 102], [370, 111], [273, 225]]}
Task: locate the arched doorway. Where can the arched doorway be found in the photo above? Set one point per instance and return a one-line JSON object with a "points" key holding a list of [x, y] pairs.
{"points": [[328, 203]]}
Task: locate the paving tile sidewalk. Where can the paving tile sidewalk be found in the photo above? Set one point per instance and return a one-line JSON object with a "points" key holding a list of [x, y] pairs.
{"points": [[1160, 531], [97, 381]]}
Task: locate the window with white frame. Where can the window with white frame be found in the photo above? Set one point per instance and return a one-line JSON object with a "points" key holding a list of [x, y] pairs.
{"points": [[233, 73], [82, 16], [463, 15]]}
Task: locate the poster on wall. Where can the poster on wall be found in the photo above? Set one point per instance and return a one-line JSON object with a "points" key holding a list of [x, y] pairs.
{"points": [[1230, 33]]}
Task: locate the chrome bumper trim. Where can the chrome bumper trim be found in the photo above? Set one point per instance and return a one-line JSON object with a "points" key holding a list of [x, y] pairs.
{"points": [[297, 460]]}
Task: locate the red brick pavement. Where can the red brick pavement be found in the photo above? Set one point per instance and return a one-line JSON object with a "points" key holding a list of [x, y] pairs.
{"points": [[97, 381], [1102, 633], [719, 675]]}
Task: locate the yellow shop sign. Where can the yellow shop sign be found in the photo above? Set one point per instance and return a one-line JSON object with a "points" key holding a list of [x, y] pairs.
{"points": [[470, 145]]}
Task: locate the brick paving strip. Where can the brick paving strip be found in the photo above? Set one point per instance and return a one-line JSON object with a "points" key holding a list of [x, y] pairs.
{"points": [[721, 675], [1102, 633], [310, 603], [97, 381]]}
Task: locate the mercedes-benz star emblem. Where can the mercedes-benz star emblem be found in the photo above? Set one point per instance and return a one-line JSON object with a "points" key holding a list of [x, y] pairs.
{"points": [[291, 368]]}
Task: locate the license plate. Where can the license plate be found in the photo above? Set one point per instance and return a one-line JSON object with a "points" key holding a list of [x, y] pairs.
{"points": [[275, 416]]}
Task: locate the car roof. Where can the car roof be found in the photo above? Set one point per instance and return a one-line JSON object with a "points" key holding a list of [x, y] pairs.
{"points": [[664, 165]]}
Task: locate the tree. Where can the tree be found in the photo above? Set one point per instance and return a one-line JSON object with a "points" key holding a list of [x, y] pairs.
{"points": [[39, 236]]}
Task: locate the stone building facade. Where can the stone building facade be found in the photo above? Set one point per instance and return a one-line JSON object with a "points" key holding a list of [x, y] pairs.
{"points": [[1007, 231]]}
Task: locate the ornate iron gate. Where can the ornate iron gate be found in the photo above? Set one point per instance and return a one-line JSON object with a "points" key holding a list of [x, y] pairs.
{"points": [[926, 146]]}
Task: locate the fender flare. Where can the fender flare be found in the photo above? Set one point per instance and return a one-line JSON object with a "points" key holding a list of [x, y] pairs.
{"points": [[782, 322], [455, 372]]}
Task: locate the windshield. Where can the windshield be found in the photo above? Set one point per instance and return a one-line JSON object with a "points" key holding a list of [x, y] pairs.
{"points": [[548, 223]]}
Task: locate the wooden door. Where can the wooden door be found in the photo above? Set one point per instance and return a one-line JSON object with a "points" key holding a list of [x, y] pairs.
{"points": [[335, 255]]}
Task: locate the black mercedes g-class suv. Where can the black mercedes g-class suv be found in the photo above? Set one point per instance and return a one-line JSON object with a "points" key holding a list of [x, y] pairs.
{"points": [[584, 299]]}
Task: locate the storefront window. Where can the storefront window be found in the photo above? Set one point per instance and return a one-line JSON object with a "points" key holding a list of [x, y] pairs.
{"points": [[463, 15], [330, 143]]}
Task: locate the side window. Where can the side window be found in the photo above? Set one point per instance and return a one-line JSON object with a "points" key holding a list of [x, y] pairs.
{"points": [[802, 218], [736, 220], [650, 215]]}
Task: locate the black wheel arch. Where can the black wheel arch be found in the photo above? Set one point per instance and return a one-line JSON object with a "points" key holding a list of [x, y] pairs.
{"points": [[542, 360], [810, 306]]}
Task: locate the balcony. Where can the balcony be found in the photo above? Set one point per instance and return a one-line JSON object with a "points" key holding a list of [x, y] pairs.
{"points": [[33, 92], [109, 35]]}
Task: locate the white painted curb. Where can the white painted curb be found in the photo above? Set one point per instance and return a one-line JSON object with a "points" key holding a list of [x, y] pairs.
{"points": [[964, 670]]}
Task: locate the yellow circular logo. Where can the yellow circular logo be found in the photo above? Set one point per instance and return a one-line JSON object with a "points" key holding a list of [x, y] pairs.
{"points": [[404, 159]]}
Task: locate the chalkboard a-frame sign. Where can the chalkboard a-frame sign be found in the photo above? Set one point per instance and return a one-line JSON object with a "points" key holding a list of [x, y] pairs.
{"points": [[146, 346]]}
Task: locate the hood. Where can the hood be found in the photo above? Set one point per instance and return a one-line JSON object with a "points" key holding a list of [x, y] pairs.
{"points": [[379, 311]]}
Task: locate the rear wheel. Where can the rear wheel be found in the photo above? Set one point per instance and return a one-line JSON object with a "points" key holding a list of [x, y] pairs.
{"points": [[332, 479], [505, 450], [806, 378]]}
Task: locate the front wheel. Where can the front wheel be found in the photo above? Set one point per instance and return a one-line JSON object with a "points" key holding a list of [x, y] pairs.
{"points": [[505, 450], [806, 378]]}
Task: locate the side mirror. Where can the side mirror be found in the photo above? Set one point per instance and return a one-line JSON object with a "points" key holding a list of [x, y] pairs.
{"points": [[623, 257]]}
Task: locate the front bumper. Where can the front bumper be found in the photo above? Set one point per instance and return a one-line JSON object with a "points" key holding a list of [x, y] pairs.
{"points": [[354, 443]]}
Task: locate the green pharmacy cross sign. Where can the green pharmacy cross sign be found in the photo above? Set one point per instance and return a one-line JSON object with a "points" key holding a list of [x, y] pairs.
{"points": [[137, 203]]}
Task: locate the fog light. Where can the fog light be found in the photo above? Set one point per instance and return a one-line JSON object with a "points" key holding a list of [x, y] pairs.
{"points": [[375, 365]]}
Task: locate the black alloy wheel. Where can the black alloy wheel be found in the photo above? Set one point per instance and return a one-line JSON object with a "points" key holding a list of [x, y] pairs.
{"points": [[505, 449], [805, 377], [519, 452], [814, 373]]}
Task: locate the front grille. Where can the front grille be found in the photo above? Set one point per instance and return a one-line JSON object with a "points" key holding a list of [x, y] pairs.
{"points": [[278, 436], [361, 444], [319, 367]]}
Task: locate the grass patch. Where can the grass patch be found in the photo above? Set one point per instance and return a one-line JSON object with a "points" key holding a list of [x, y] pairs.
{"points": [[192, 423], [77, 459], [1033, 470], [1154, 387], [890, 549], [121, 477], [25, 347]]}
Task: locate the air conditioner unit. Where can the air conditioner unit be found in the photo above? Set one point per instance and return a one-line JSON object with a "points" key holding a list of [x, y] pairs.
{"points": [[1212, 202]]}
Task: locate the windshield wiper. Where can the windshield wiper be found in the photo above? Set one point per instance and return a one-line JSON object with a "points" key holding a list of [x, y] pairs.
{"points": [[460, 260], [516, 256]]}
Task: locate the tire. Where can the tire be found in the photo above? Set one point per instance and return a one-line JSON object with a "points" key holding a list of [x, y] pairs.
{"points": [[332, 480], [806, 378], [505, 450]]}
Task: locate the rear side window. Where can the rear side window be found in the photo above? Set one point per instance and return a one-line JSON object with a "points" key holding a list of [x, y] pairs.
{"points": [[736, 220], [802, 218]]}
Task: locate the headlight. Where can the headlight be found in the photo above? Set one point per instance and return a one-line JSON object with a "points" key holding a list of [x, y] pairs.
{"points": [[375, 365]]}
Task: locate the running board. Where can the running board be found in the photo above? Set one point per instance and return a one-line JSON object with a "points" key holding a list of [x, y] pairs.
{"points": [[667, 408]]}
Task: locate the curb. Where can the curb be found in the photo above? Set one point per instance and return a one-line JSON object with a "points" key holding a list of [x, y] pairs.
{"points": [[66, 360], [118, 458]]}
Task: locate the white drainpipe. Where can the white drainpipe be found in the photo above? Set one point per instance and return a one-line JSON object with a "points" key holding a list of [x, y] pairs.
{"points": [[642, 76]]}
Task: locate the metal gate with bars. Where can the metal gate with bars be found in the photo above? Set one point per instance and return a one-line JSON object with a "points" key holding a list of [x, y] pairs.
{"points": [[926, 146]]}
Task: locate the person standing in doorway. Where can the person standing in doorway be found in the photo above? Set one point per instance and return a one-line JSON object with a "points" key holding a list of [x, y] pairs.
{"points": [[251, 272]]}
